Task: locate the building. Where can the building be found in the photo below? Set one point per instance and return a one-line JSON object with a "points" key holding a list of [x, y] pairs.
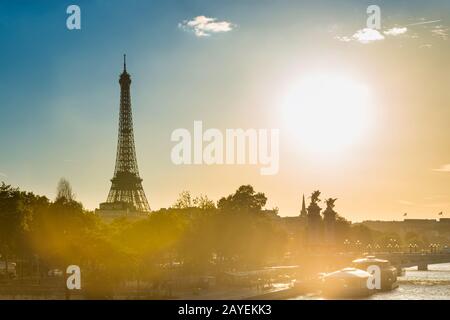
{"points": [[429, 227], [303, 212], [126, 196]]}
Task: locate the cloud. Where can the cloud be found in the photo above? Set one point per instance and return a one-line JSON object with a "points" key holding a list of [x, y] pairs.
{"points": [[203, 26], [443, 168], [406, 202], [367, 35], [364, 36], [436, 196], [395, 31], [440, 31], [343, 38]]}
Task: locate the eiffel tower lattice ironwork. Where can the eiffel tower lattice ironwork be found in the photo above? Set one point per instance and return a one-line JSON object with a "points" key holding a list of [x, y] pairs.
{"points": [[126, 188]]}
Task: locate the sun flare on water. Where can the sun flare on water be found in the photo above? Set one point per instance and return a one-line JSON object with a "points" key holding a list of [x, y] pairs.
{"points": [[327, 113]]}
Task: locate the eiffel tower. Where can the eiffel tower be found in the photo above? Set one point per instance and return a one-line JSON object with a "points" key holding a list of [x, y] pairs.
{"points": [[126, 192]]}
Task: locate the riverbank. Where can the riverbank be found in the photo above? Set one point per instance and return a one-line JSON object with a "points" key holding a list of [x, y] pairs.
{"points": [[433, 284]]}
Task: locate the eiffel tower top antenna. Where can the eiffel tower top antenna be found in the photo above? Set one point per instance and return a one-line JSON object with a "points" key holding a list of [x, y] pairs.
{"points": [[124, 62]]}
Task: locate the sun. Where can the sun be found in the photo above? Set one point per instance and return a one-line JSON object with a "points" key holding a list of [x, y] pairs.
{"points": [[327, 113]]}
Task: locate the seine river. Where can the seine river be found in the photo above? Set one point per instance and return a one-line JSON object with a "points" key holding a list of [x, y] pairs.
{"points": [[433, 284]]}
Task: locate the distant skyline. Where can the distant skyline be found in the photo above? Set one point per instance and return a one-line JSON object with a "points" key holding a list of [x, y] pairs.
{"points": [[382, 150]]}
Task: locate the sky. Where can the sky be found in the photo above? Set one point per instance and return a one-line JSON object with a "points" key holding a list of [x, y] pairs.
{"points": [[363, 113]]}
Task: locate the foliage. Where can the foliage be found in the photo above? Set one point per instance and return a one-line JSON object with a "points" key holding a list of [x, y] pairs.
{"points": [[194, 237], [184, 201], [244, 199], [64, 190]]}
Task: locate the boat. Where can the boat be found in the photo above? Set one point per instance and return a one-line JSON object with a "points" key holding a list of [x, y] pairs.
{"points": [[388, 272], [346, 283]]}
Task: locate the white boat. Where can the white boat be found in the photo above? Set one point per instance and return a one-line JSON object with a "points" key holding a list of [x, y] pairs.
{"points": [[388, 272], [346, 283]]}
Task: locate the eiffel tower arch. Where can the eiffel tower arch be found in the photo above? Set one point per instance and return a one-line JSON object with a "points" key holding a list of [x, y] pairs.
{"points": [[126, 196]]}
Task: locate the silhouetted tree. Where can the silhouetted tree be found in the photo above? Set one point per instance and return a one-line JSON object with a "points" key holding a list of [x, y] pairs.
{"points": [[64, 190], [184, 201], [203, 202], [16, 215], [244, 199]]}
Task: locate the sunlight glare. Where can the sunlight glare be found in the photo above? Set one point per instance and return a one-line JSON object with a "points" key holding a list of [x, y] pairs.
{"points": [[327, 112]]}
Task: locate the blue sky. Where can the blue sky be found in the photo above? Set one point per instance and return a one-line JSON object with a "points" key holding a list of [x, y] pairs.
{"points": [[59, 92]]}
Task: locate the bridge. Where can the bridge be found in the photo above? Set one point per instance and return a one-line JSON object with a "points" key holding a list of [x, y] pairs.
{"points": [[400, 260], [419, 260]]}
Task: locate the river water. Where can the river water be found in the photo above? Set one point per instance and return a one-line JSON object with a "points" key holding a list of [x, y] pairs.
{"points": [[433, 284]]}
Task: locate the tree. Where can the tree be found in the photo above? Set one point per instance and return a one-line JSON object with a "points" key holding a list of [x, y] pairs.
{"points": [[204, 203], [16, 215], [184, 201], [244, 199], [9, 222], [64, 190], [248, 241]]}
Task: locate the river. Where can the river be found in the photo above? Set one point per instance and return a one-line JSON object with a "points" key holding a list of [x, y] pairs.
{"points": [[433, 284]]}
